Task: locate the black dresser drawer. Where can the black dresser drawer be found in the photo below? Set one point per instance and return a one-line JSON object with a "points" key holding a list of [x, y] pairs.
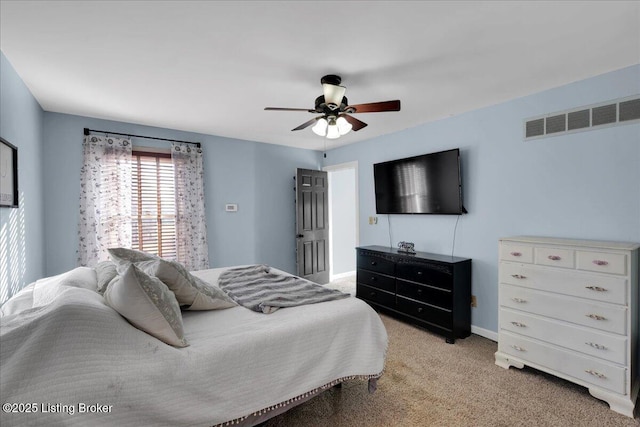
{"points": [[375, 263], [376, 280], [375, 295], [427, 313], [423, 293], [440, 276]]}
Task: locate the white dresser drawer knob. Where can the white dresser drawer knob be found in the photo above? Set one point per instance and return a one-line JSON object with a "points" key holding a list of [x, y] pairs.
{"points": [[596, 317], [595, 373], [600, 262], [519, 300], [518, 276], [516, 254], [554, 257], [518, 348], [519, 325], [594, 345], [596, 288]]}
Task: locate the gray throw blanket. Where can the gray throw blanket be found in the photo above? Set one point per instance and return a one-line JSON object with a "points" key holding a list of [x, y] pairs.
{"points": [[257, 288]]}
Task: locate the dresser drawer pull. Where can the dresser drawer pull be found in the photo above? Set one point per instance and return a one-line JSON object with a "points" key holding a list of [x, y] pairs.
{"points": [[554, 257], [519, 325], [596, 317], [374, 278], [420, 309], [518, 276], [594, 345], [419, 291], [596, 288], [519, 300], [516, 254], [595, 373], [374, 263], [518, 348], [600, 262], [372, 294], [419, 273]]}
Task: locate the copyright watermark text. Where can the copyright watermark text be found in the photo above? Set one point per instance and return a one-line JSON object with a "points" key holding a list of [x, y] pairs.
{"points": [[56, 408]]}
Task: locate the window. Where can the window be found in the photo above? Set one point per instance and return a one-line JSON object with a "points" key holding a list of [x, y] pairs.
{"points": [[153, 204]]}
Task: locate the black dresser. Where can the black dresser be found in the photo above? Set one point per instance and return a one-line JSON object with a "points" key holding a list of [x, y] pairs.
{"points": [[429, 290]]}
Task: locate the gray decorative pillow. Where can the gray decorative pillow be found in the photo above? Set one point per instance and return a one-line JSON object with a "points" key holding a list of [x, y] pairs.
{"points": [[191, 292], [147, 304], [106, 272], [123, 256]]}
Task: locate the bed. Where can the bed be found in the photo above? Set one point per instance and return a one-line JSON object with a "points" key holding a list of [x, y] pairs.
{"points": [[67, 357]]}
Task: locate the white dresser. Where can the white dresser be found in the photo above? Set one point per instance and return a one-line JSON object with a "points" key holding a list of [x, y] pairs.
{"points": [[570, 308]]}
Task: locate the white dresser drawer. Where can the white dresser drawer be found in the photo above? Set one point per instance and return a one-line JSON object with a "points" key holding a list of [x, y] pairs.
{"points": [[555, 257], [602, 262], [600, 287], [605, 346], [584, 368], [514, 252], [606, 317]]}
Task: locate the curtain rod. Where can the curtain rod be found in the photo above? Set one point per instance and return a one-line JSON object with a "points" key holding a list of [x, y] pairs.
{"points": [[87, 131]]}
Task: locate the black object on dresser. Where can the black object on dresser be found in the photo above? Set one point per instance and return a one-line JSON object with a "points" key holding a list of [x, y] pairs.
{"points": [[429, 290]]}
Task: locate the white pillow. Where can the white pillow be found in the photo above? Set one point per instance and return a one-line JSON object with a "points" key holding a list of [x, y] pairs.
{"points": [[105, 273], [148, 304], [191, 292]]}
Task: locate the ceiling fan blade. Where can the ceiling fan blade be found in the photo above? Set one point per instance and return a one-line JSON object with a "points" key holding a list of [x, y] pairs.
{"points": [[289, 109], [374, 107], [357, 124], [306, 124]]}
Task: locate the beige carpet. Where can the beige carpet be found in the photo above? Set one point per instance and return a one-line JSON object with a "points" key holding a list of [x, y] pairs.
{"points": [[430, 383]]}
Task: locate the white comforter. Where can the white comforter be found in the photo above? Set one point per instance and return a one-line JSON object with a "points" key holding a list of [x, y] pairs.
{"points": [[70, 359]]}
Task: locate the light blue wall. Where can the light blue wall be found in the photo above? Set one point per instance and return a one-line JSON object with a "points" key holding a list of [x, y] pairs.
{"points": [[253, 175], [275, 167], [343, 220], [584, 185], [21, 230]]}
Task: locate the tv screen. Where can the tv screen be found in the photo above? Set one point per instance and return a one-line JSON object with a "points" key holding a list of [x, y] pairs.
{"points": [[427, 184]]}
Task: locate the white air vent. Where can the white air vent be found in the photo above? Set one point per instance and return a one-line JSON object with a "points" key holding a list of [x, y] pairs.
{"points": [[630, 110], [535, 128], [604, 115], [579, 119], [556, 123], [610, 113]]}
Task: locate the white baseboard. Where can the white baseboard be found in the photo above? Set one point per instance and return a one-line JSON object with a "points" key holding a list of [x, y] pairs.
{"points": [[493, 336], [342, 275]]}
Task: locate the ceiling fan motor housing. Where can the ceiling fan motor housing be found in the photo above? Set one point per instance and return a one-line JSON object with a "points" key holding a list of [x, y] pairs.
{"points": [[331, 79], [323, 108]]}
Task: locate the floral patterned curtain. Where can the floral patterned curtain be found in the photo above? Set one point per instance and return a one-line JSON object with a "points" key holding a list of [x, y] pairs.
{"points": [[105, 198], [191, 226]]}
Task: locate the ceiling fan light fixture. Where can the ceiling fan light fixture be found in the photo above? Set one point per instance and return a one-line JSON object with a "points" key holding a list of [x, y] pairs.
{"points": [[333, 95], [343, 125], [320, 128], [333, 132], [332, 129]]}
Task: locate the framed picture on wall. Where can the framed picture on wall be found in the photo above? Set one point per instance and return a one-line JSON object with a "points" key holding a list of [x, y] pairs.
{"points": [[8, 174]]}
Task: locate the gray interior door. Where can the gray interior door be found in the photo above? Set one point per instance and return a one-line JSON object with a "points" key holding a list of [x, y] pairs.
{"points": [[312, 225]]}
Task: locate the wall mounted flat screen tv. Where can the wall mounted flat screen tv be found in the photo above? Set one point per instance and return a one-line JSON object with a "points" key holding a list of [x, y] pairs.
{"points": [[427, 184]]}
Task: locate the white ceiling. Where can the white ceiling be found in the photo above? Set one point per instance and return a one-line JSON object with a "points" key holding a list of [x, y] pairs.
{"points": [[212, 67]]}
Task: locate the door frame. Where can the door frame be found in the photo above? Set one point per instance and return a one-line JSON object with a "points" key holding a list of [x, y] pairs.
{"points": [[333, 168]]}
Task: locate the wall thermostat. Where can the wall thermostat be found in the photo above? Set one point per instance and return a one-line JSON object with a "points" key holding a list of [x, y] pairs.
{"points": [[231, 207]]}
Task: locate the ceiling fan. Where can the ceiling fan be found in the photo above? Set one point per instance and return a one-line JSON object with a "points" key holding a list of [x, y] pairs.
{"points": [[334, 109]]}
